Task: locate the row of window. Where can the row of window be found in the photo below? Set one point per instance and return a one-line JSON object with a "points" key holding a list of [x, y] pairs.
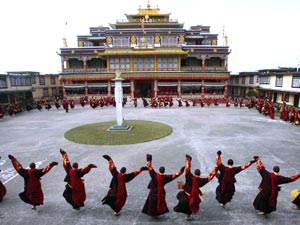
{"points": [[144, 41], [29, 80], [55, 92], [144, 63], [266, 80]]}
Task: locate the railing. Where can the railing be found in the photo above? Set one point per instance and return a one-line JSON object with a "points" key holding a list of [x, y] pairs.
{"points": [[81, 70], [151, 20], [199, 68]]}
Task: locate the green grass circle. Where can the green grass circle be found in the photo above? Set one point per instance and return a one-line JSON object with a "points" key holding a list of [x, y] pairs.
{"points": [[97, 134]]}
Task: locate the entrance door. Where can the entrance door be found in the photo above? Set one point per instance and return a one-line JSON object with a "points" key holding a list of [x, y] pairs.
{"points": [[143, 88], [275, 97], [296, 101]]}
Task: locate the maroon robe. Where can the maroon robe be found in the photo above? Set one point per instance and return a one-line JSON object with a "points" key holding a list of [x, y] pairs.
{"points": [[117, 194], [77, 185], [155, 204], [189, 199], [2, 191], [266, 199], [226, 188], [33, 193]]}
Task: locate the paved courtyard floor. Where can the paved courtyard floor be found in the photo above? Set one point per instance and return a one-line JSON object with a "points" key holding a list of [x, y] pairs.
{"points": [[239, 133]]}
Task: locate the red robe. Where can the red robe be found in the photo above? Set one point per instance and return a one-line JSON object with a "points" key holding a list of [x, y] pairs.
{"points": [[266, 199], [226, 188], [33, 193], [189, 199], [2, 191], [77, 185], [155, 204], [117, 194]]}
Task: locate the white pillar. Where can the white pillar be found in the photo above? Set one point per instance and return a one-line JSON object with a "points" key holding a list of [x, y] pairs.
{"points": [[119, 98]]}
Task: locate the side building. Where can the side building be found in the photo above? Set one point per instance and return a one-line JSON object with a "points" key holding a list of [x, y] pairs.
{"points": [[278, 85], [28, 86], [155, 54]]}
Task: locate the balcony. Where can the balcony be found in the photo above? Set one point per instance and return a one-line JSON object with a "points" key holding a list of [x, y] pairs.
{"points": [[206, 69], [81, 70]]}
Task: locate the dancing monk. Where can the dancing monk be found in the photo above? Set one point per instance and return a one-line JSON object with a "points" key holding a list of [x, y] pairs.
{"points": [[74, 192], [117, 193], [266, 199], [226, 178], [189, 198], [156, 204], [33, 193]]}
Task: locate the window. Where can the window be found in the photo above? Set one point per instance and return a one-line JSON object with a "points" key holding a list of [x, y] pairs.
{"points": [[42, 80], [296, 82], [121, 42], [251, 80], [167, 63], [169, 41], [143, 63], [54, 92], [53, 81], [243, 79], [119, 63], [264, 80], [12, 81], [3, 83], [236, 80], [279, 81], [45, 92]]}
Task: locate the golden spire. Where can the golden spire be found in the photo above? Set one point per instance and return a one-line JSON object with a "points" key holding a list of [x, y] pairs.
{"points": [[65, 44], [225, 39]]}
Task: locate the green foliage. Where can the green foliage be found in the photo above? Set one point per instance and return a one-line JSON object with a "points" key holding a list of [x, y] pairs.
{"points": [[97, 134], [252, 93]]}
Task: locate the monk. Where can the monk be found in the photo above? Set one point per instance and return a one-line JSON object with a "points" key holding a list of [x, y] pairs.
{"points": [[117, 193], [2, 189], [33, 193], [226, 178], [156, 204], [74, 192], [189, 198], [266, 199]]}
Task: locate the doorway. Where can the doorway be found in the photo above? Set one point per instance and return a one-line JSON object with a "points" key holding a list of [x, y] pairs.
{"points": [[143, 89], [296, 101], [275, 97]]}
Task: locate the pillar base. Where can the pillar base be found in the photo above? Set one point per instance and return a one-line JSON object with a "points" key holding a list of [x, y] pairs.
{"points": [[123, 127]]}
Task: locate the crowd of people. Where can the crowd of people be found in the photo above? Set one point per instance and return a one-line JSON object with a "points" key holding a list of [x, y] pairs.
{"points": [[268, 108], [265, 107], [189, 195]]}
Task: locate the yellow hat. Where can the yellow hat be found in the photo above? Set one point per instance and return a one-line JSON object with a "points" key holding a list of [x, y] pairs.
{"points": [[294, 193]]}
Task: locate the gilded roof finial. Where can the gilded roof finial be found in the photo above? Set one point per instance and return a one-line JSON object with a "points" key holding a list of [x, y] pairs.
{"points": [[148, 5], [225, 38]]}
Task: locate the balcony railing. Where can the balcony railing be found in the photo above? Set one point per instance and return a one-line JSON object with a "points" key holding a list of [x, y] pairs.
{"points": [[198, 68], [81, 70], [151, 20], [183, 68]]}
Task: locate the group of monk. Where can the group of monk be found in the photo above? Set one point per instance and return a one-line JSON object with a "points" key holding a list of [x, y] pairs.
{"points": [[189, 197], [268, 108]]}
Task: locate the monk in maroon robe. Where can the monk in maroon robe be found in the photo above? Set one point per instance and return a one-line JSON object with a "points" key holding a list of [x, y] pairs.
{"points": [[117, 193], [226, 178], [156, 204], [2, 189], [189, 198], [33, 193], [266, 199], [74, 193]]}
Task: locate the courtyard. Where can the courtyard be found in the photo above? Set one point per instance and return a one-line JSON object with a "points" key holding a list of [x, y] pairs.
{"points": [[239, 133]]}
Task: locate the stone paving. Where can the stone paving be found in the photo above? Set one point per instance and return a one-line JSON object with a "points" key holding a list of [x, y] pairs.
{"points": [[239, 132]]}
